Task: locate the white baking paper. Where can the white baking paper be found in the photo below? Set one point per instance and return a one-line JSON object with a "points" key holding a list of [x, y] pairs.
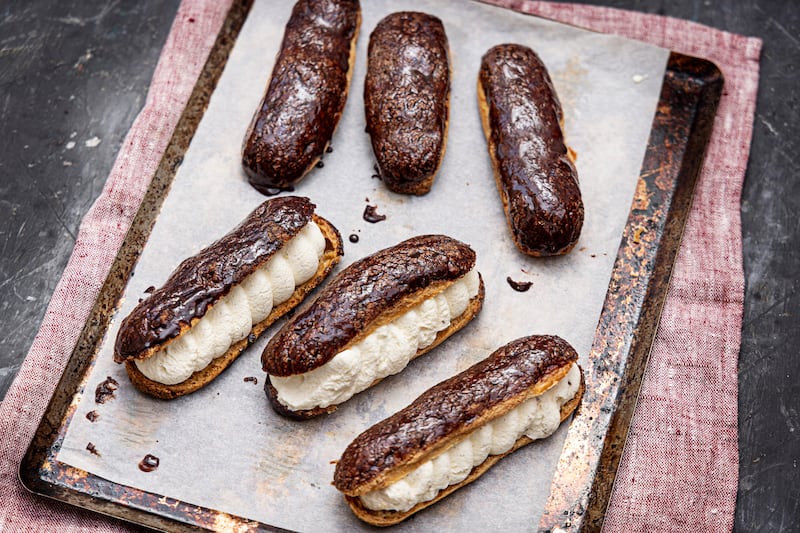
{"points": [[223, 447]]}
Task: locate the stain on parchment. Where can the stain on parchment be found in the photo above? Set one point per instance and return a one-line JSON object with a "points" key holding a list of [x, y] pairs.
{"points": [[567, 80]]}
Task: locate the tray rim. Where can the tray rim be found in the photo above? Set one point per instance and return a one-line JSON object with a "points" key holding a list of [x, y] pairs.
{"points": [[42, 474]]}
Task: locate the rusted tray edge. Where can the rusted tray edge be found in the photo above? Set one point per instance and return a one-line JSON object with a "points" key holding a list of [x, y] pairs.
{"points": [[39, 471], [584, 478], [42, 474]]}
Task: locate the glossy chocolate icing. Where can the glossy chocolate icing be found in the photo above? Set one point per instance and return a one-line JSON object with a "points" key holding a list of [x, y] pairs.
{"points": [[358, 295], [202, 279], [535, 176], [306, 94], [452, 405], [406, 94]]}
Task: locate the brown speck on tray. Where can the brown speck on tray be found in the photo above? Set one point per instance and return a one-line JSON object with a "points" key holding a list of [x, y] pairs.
{"points": [[91, 416], [92, 449], [105, 390], [371, 214], [251, 379], [148, 463], [519, 286]]}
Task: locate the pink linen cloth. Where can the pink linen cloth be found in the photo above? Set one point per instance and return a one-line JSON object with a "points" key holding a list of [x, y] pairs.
{"points": [[679, 469]]}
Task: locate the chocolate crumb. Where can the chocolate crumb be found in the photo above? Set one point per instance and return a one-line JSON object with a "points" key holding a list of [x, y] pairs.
{"points": [[251, 379], [105, 390], [149, 463], [371, 214], [353, 237], [519, 286], [251, 339], [92, 449], [91, 416]]}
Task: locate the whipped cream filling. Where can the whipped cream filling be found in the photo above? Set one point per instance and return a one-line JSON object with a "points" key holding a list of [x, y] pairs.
{"points": [[384, 352], [537, 418], [232, 317]]}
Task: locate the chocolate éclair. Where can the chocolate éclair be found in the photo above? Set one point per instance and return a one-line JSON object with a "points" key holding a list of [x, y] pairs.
{"points": [[369, 321], [306, 94], [217, 302], [407, 99], [533, 168], [455, 431]]}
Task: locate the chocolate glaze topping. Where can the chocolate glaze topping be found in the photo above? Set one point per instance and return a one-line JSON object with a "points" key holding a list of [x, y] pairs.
{"points": [[450, 406], [536, 179], [358, 295], [405, 97], [201, 280], [305, 96]]}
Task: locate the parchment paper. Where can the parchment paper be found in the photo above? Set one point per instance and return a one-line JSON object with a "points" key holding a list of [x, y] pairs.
{"points": [[223, 447]]}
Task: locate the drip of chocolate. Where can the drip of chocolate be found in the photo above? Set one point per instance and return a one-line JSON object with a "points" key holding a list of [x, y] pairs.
{"points": [[353, 237], [105, 390], [519, 286], [371, 215], [149, 463], [251, 379], [329, 149]]}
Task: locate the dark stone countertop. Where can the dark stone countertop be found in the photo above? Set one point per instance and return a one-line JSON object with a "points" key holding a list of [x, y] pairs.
{"points": [[73, 76]]}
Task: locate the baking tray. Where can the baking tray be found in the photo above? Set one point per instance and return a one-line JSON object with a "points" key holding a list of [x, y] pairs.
{"points": [[584, 477]]}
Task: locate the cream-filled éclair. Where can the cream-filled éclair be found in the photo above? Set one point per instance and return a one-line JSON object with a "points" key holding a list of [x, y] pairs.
{"points": [[535, 418], [385, 351], [369, 321], [233, 315], [455, 431], [217, 302]]}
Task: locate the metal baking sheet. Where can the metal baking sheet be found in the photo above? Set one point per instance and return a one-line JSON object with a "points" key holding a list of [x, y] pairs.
{"points": [[253, 465]]}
